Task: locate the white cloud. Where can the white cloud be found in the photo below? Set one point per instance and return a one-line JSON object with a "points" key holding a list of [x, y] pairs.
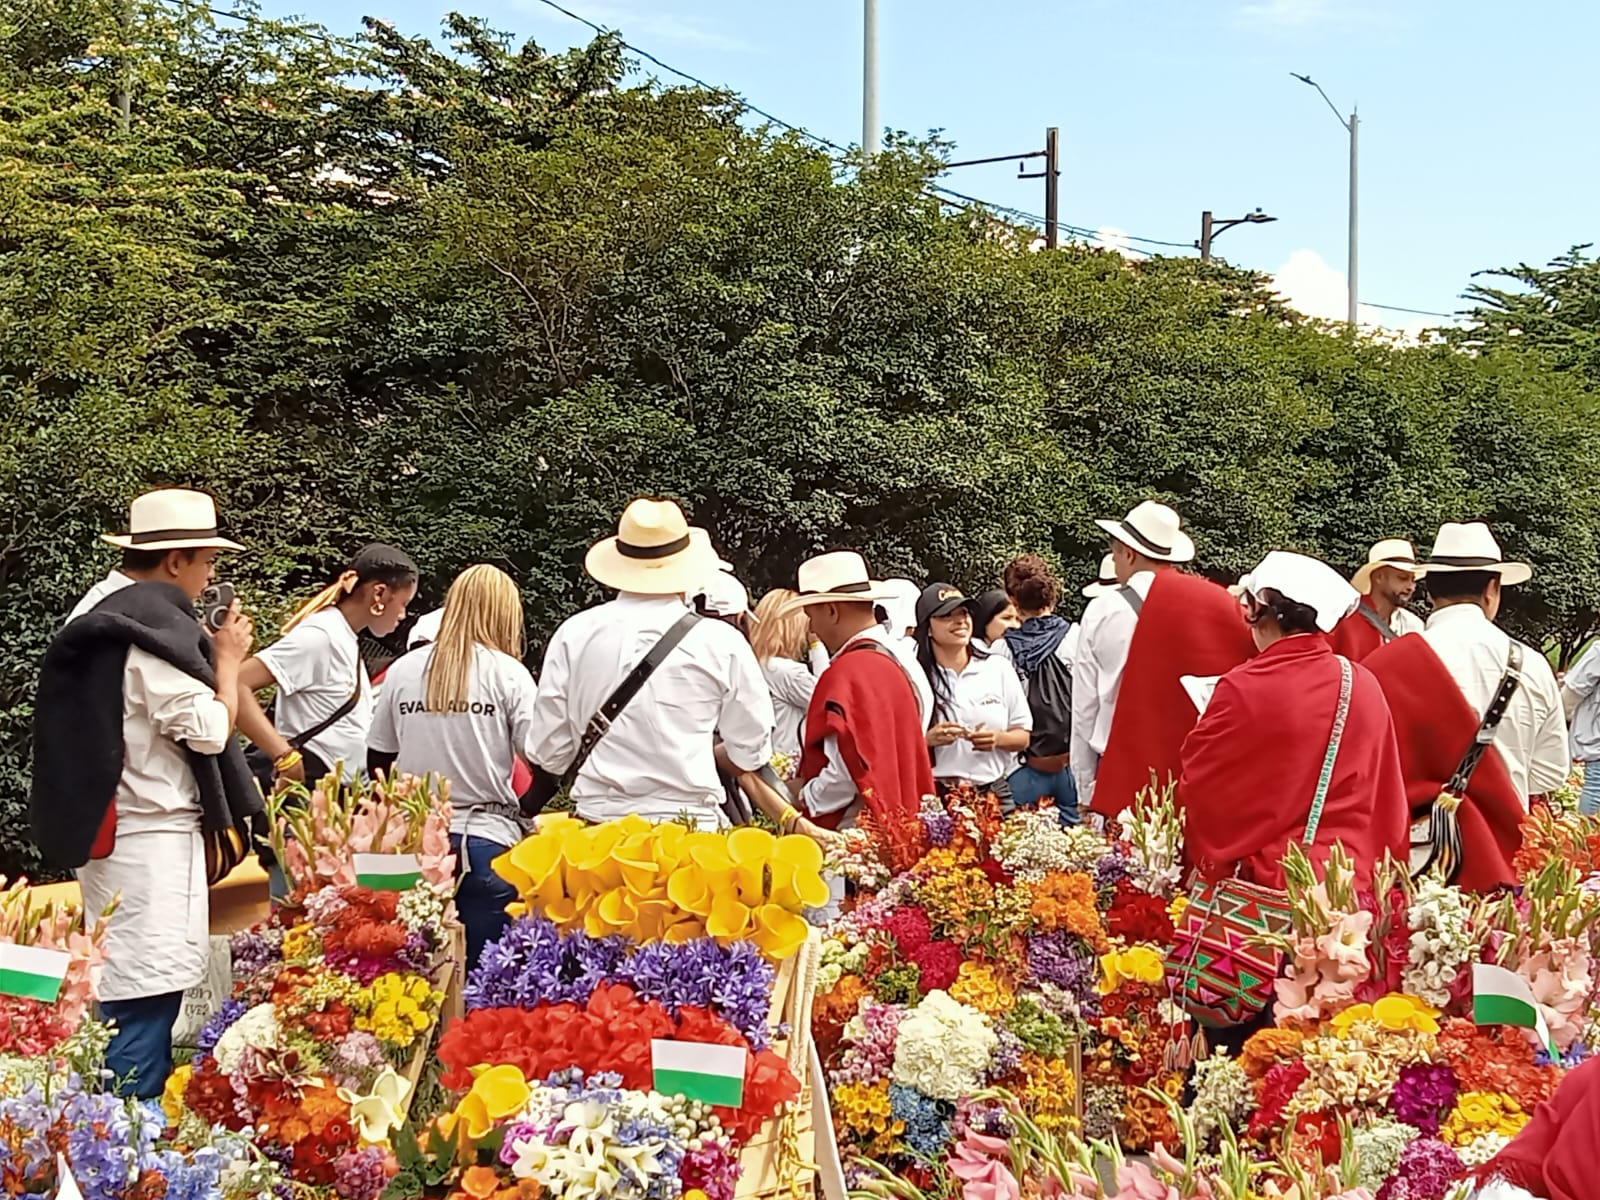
{"points": [[1284, 12], [643, 22], [1310, 285], [1109, 237]]}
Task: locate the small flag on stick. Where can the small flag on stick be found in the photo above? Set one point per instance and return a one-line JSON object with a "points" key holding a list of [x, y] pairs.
{"points": [[388, 872], [66, 1187], [1502, 997], [699, 1071], [32, 972]]}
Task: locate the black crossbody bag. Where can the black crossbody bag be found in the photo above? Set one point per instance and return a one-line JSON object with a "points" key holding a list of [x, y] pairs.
{"points": [[544, 787]]}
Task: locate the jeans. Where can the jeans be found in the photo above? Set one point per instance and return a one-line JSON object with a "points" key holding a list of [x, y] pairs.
{"points": [[1589, 797], [140, 1055], [1028, 787], [481, 895]]}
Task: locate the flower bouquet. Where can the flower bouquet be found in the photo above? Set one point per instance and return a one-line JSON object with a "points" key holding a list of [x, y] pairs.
{"points": [[338, 995], [50, 956], [640, 1029]]}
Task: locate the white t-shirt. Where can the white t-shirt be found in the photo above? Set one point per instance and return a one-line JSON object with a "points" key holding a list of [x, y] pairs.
{"points": [[791, 684], [475, 747], [987, 695], [316, 665]]}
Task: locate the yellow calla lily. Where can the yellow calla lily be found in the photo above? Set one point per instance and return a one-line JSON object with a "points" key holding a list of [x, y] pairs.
{"points": [[496, 1093], [1398, 1012], [635, 858], [748, 844], [618, 909], [779, 932], [687, 889], [750, 882], [172, 1094], [729, 919]]}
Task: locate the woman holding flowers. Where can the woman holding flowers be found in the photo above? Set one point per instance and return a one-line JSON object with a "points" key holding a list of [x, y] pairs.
{"points": [[462, 708], [1295, 745]]}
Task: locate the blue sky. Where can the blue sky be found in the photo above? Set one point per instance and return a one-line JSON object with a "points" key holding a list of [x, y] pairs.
{"points": [[1477, 119]]}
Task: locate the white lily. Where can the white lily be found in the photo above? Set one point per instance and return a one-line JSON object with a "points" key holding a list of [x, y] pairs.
{"points": [[381, 1111]]}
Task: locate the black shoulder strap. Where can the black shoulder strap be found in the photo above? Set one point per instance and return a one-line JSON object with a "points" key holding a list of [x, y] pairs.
{"points": [[1484, 738], [1373, 619], [628, 689], [301, 740], [1131, 598]]}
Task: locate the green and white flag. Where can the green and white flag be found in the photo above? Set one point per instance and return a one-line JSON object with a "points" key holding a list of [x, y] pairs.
{"points": [[1502, 997], [32, 972], [388, 872], [699, 1071], [67, 1187]]}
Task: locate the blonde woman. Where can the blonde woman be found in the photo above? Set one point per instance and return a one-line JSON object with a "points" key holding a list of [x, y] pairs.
{"points": [[462, 707], [780, 644]]}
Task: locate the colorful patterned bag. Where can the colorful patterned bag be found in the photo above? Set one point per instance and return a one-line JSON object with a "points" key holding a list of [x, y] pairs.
{"points": [[1219, 976]]}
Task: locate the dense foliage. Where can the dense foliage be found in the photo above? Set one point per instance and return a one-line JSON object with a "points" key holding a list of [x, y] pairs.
{"points": [[472, 299]]}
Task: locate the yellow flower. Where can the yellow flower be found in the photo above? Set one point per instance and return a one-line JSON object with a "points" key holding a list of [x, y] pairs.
{"points": [[977, 985], [1178, 906], [172, 1094], [1396, 1012], [496, 1093], [1138, 964]]}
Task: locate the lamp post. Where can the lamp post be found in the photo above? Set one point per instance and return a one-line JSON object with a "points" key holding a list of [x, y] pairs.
{"points": [[1211, 228], [871, 131], [1352, 126]]}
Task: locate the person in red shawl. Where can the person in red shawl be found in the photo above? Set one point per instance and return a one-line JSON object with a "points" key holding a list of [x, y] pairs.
{"points": [[1441, 685], [1252, 764], [863, 742], [1386, 582], [1552, 1158]]}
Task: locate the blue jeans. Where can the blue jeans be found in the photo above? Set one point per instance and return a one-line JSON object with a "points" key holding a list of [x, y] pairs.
{"points": [[1589, 797], [1028, 787], [481, 895], [140, 1055]]}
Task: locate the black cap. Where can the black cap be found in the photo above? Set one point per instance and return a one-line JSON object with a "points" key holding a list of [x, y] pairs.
{"points": [[939, 600]]}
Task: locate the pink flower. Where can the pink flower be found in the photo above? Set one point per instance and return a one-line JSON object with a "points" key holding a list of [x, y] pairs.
{"points": [[980, 1163], [1294, 1001], [1345, 946], [1163, 1159], [1135, 1181]]}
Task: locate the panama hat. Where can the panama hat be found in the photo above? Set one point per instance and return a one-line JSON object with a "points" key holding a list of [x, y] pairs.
{"points": [[1305, 580], [838, 577], [172, 519], [1391, 552], [1107, 583], [1472, 547], [1155, 531], [655, 552]]}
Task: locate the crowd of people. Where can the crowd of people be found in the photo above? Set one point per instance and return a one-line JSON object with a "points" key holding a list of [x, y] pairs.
{"points": [[1295, 706]]}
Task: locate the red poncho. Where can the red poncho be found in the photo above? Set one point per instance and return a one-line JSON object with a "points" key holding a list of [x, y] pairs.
{"points": [[1251, 764], [1355, 637], [1188, 626], [1553, 1156], [1435, 725], [865, 701]]}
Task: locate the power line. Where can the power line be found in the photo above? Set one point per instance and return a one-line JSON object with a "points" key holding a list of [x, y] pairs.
{"points": [[1420, 312]]}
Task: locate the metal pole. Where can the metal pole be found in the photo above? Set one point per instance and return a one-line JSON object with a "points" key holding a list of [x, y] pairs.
{"points": [[125, 92], [1355, 124], [1052, 187], [1205, 236], [870, 127]]}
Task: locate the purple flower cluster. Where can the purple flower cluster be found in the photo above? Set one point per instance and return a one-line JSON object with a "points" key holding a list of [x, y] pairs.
{"points": [[713, 1168], [1065, 960], [216, 1025], [535, 963], [940, 827], [1423, 1094], [870, 1055], [255, 950], [1007, 1055], [1111, 870], [1427, 1169], [104, 1146], [360, 1174]]}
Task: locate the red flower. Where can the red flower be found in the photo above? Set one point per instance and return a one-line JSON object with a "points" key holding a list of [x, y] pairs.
{"points": [[1138, 916], [910, 928], [938, 963], [1280, 1084], [994, 872]]}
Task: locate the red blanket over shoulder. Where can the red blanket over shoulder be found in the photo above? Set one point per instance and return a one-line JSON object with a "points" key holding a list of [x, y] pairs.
{"points": [[1355, 637], [1188, 626], [865, 701], [1435, 725]]}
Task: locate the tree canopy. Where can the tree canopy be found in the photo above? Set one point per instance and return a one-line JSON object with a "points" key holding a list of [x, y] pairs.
{"points": [[471, 297]]}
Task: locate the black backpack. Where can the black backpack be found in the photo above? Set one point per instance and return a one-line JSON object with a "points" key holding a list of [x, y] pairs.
{"points": [[1050, 700]]}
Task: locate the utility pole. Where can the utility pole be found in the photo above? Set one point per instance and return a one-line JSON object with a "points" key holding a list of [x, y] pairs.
{"points": [[1052, 187], [1211, 228], [1352, 126], [871, 128], [125, 92]]}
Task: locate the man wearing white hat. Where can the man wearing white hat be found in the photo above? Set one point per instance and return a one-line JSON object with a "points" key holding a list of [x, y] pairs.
{"points": [[172, 538], [862, 741], [1148, 541], [1462, 678], [645, 747], [1386, 582]]}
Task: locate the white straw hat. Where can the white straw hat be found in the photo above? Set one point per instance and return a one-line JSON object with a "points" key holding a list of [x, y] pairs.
{"points": [[1107, 583], [1155, 531], [838, 577], [1472, 547], [655, 552], [172, 519], [1305, 580], [1391, 552]]}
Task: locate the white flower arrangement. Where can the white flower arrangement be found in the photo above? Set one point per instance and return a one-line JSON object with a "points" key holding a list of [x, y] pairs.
{"points": [[943, 1048], [1441, 943]]}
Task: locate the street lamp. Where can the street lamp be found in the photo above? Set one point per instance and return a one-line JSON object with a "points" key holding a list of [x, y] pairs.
{"points": [[1211, 228], [1351, 126]]}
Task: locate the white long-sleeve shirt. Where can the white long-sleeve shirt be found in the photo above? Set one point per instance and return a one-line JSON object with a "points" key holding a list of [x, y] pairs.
{"points": [[790, 684], [1102, 652], [112, 583], [1532, 736], [656, 759], [1581, 691]]}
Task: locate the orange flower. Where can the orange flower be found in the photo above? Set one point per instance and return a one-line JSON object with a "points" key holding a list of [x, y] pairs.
{"points": [[1267, 1048], [1067, 902], [480, 1183], [833, 1008]]}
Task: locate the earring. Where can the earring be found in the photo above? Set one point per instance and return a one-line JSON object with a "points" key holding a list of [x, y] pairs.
{"points": [[377, 610]]}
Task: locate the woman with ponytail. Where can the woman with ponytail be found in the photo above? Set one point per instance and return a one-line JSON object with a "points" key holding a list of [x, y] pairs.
{"points": [[462, 708], [324, 702]]}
